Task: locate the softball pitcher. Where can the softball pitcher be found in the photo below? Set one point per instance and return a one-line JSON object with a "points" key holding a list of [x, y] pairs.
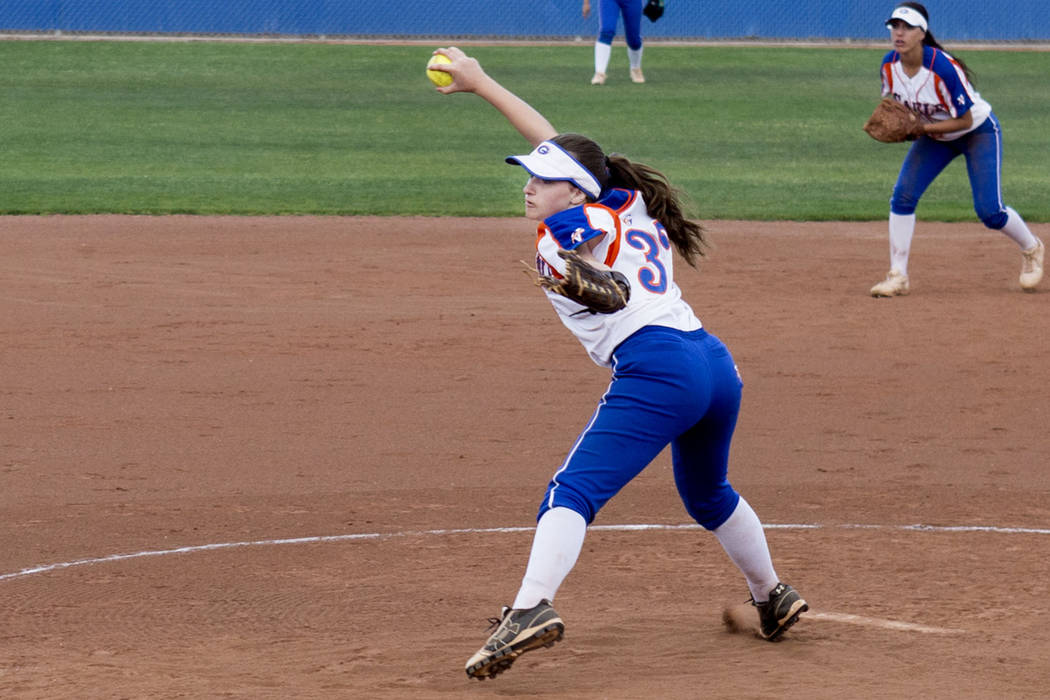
{"points": [[672, 381], [609, 13], [956, 121]]}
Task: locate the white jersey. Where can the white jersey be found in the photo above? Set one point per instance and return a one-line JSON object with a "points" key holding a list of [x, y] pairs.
{"points": [[938, 91], [630, 242]]}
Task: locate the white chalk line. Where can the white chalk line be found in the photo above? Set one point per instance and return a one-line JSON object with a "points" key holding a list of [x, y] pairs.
{"points": [[877, 622], [45, 568], [321, 539]]}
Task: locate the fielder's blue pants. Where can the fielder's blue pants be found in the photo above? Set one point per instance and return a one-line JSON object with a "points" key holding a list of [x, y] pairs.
{"points": [[609, 12], [668, 387], [983, 149]]}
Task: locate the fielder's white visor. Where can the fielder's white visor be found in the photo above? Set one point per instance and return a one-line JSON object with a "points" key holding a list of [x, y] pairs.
{"points": [[549, 161], [910, 17]]}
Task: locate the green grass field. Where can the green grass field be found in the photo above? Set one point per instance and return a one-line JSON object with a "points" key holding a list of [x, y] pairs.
{"points": [[284, 128]]}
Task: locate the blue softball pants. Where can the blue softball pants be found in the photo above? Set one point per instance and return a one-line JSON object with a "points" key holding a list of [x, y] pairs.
{"points": [[983, 149], [668, 387], [609, 12]]}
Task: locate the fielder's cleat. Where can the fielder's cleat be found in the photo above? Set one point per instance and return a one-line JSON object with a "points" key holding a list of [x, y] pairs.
{"points": [[894, 285], [517, 631], [598, 79], [636, 75], [780, 611], [1032, 268]]}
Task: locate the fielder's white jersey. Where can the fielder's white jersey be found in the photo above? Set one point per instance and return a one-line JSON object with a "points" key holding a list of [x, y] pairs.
{"points": [[630, 242], [938, 91]]}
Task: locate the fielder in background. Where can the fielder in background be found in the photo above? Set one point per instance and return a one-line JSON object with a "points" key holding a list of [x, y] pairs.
{"points": [[956, 121], [609, 13], [672, 381]]}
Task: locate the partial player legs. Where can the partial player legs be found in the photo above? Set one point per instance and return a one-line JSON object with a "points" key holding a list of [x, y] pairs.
{"points": [[632, 24], [901, 230], [984, 149], [609, 13], [1032, 267], [531, 622], [693, 376], [744, 540], [602, 54], [1032, 250], [926, 159], [556, 546], [634, 57]]}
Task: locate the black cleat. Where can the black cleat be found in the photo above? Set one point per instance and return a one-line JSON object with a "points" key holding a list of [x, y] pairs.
{"points": [[780, 611], [517, 631]]}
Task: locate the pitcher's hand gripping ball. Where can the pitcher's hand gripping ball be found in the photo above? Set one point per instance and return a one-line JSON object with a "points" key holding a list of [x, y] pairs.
{"points": [[439, 78], [892, 122], [601, 291]]}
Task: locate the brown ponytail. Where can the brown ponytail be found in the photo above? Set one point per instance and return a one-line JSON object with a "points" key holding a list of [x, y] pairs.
{"points": [[662, 200]]}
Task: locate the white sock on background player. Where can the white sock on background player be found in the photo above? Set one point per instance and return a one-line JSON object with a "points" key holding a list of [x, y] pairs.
{"points": [[555, 548], [634, 56], [902, 228], [602, 52], [744, 540], [1018, 230]]}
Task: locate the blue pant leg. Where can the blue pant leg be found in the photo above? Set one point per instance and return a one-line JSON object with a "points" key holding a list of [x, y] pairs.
{"points": [[632, 23], [926, 160], [656, 394], [608, 18], [701, 454], [983, 148]]}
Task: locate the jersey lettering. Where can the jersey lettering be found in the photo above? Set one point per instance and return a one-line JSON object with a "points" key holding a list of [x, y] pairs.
{"points": [[939, 90], [653, 277]]}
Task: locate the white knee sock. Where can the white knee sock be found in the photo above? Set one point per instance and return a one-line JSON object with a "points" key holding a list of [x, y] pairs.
{"points": [[1018, 230], [744, 541], [902, 228], [602, 52], [634, 56], [555, 548]]}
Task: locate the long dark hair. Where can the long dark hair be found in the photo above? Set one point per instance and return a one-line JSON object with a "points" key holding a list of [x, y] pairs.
{"points": [[929, 39], [663, 201]]}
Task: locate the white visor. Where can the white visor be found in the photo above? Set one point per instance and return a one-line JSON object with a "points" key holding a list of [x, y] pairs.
{"points": [[910, 17], [549, 161]]}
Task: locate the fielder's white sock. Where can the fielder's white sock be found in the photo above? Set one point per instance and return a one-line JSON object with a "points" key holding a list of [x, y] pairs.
{"points": [[602, 52], [1018, 230], [902, 228], [634, 56], [555, 548], [745, 542]]}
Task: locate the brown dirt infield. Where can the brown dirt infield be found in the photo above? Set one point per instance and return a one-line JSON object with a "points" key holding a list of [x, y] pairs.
{"points": [[197, 393]]}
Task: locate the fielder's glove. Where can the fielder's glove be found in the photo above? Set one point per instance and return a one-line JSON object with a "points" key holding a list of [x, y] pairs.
{"points": [[601, 291], [892, 122], [654, 10]]}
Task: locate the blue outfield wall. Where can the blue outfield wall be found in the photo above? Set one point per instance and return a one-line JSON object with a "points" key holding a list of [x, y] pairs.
{"points": [[964, 20]]}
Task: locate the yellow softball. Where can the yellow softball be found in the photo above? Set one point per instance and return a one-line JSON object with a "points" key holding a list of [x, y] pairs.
{"points": [[439, 78]]}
